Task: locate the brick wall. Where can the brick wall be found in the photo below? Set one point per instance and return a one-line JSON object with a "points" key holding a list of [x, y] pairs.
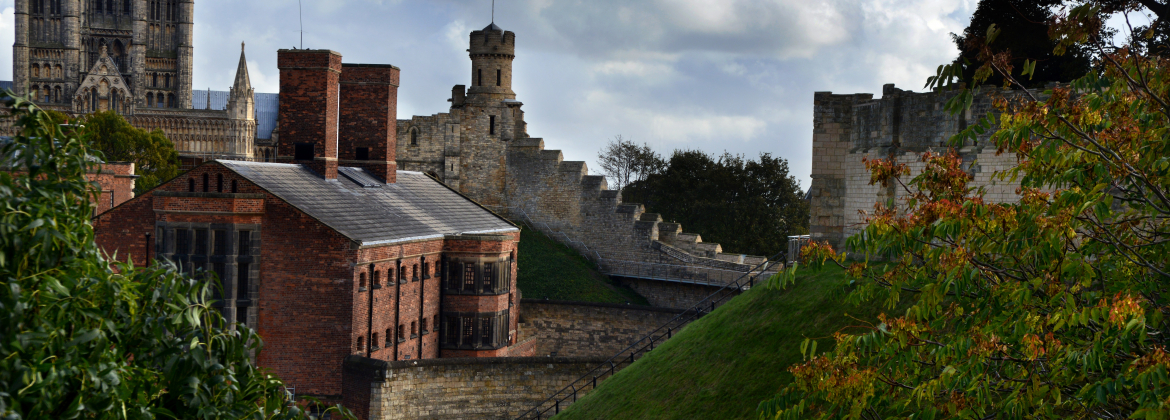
{"points": [[480, 388], [579, 329], [309, 106], [368, 117]]}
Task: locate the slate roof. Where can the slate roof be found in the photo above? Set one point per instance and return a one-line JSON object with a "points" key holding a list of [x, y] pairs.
{"points": [[414, 207]]}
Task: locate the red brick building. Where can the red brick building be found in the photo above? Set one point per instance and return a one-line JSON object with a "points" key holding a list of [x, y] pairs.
{"points": [[332, 251]]}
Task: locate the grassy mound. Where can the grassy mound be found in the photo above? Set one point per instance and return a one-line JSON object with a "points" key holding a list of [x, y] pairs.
{"points": [[551, 270], [722, 365]]}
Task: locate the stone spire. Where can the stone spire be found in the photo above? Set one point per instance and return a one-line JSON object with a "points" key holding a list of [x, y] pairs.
{"points": [[241, 102]]}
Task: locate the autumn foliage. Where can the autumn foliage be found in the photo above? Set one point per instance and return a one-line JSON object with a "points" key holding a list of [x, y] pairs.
{"points": [[1049, 307]]}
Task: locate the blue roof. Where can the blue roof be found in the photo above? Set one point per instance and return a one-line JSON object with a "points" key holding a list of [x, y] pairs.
{"points": [[267, 107]]}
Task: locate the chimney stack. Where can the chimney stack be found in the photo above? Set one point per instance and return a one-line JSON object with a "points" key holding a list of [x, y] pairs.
{"points": [[369, 118], [309, 103]]}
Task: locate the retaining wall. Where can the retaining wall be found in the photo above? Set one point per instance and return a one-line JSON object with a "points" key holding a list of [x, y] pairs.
{"points": [[467, 388], [583, 329]]}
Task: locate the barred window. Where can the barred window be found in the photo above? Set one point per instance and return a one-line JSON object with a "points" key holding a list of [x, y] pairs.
{"points": [[389, 337], [469, 276], [489, 277], [200, 242]]}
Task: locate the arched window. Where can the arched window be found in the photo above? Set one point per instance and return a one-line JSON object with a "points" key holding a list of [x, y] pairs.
{"points": [[98, 5], [126, 7], [170, 100], [414, 136], [206, 182], [57, 94], [167, 80], [374, 280], [414, 272], [424, 325], [191, 184], [361, 344], [413, 329], [234, 189], [150, 99], [498, 77], [389, 337], [154, 80], [361, 281], [36, 70], [110, 6], [218, 182]]}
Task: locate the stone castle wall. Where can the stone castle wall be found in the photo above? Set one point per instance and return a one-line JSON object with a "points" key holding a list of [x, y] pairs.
{"points": [[469, 388], [578, 329], [903, 124]]}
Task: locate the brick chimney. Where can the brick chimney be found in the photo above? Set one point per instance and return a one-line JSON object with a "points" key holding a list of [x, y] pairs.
{"points": [[369, 118], [309, 84]]}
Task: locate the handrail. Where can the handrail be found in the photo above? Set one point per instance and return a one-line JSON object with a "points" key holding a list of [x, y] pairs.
{"points": [[666, 272], [694, 312]]}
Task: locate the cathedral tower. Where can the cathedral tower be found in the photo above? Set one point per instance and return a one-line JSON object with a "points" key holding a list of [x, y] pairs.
{"points": [[492, 51]]}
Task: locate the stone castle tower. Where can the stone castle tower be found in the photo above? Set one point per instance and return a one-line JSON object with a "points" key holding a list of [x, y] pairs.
{"points": [[467, 147], [61, 42]]}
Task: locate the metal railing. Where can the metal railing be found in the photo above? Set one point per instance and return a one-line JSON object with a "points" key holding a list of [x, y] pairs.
{"points": [[708, 276], [568, 395]]}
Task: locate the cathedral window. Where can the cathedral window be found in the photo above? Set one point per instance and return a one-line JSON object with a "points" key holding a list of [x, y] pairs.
{"points": [[97, 5], [218, 182], [170, 100], [206, 182], [109, 6], [126, 7]]}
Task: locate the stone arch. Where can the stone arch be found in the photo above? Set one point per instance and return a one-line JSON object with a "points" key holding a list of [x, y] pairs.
{"points": [[57, 94]]}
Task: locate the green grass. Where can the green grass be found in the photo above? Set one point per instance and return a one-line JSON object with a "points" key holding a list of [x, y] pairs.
{"points": [[551, 270], [722, 365]]}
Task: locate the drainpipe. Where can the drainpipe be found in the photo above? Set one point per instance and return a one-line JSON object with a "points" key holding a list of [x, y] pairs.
{"points": [[370, 315], [422, 301], [397, 300]]}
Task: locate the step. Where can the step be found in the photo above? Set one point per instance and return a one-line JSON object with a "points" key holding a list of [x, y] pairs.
{"points": [[651, 217]]}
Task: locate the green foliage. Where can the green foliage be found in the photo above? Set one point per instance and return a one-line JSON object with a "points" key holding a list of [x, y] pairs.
{"points": [[551, 270], [747, 206], [1051, 307], [719, 366], [84, 337], [1022, 29], [154, 157], [624, 162]]}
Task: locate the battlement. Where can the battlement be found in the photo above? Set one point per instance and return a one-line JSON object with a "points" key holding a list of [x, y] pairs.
{"points": [[493, 42]]}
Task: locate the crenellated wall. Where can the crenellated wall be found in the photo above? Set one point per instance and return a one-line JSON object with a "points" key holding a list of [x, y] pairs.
{"points": [[902, 124]]}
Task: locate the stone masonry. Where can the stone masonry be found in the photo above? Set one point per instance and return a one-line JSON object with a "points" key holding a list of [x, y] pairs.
{"points": [[481, 148], [903, 124], [577, 329]]}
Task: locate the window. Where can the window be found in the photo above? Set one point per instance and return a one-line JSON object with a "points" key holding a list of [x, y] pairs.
{"points": [[469, 276], [401, 273], [242, 315], [468, 329], [374, 341], [413, 329], [497, 77], [401, 333], [424, 325], [414, 137], [219, 241], [242, 281], [361, 282], [125, 7], [479, 77], [206, 182], [362, 153], [98, 5], [486, 330], [492, 125], [426, 272], [414, 273], [489, 277], [218, 182], [389, 337], [304, 151], [109, 6], [182, 241], [235, 188], [200, 242], [361, 343], [191, 184], [245, 245]]}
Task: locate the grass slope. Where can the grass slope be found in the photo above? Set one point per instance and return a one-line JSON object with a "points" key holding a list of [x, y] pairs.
{"points": [[722, 365], [551, 270]]}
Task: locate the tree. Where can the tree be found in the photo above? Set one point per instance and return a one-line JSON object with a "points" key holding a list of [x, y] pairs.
{"points": [[1023, 26], [1052, 307], [154, 156], [82, 336], [624, 162], [748, 206]]}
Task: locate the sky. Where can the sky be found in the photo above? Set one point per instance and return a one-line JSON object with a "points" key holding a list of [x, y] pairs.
{"points": [[714, 75]]}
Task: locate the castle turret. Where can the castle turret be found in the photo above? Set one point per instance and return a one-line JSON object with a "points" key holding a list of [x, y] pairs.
{"points": [[492, 51]]}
